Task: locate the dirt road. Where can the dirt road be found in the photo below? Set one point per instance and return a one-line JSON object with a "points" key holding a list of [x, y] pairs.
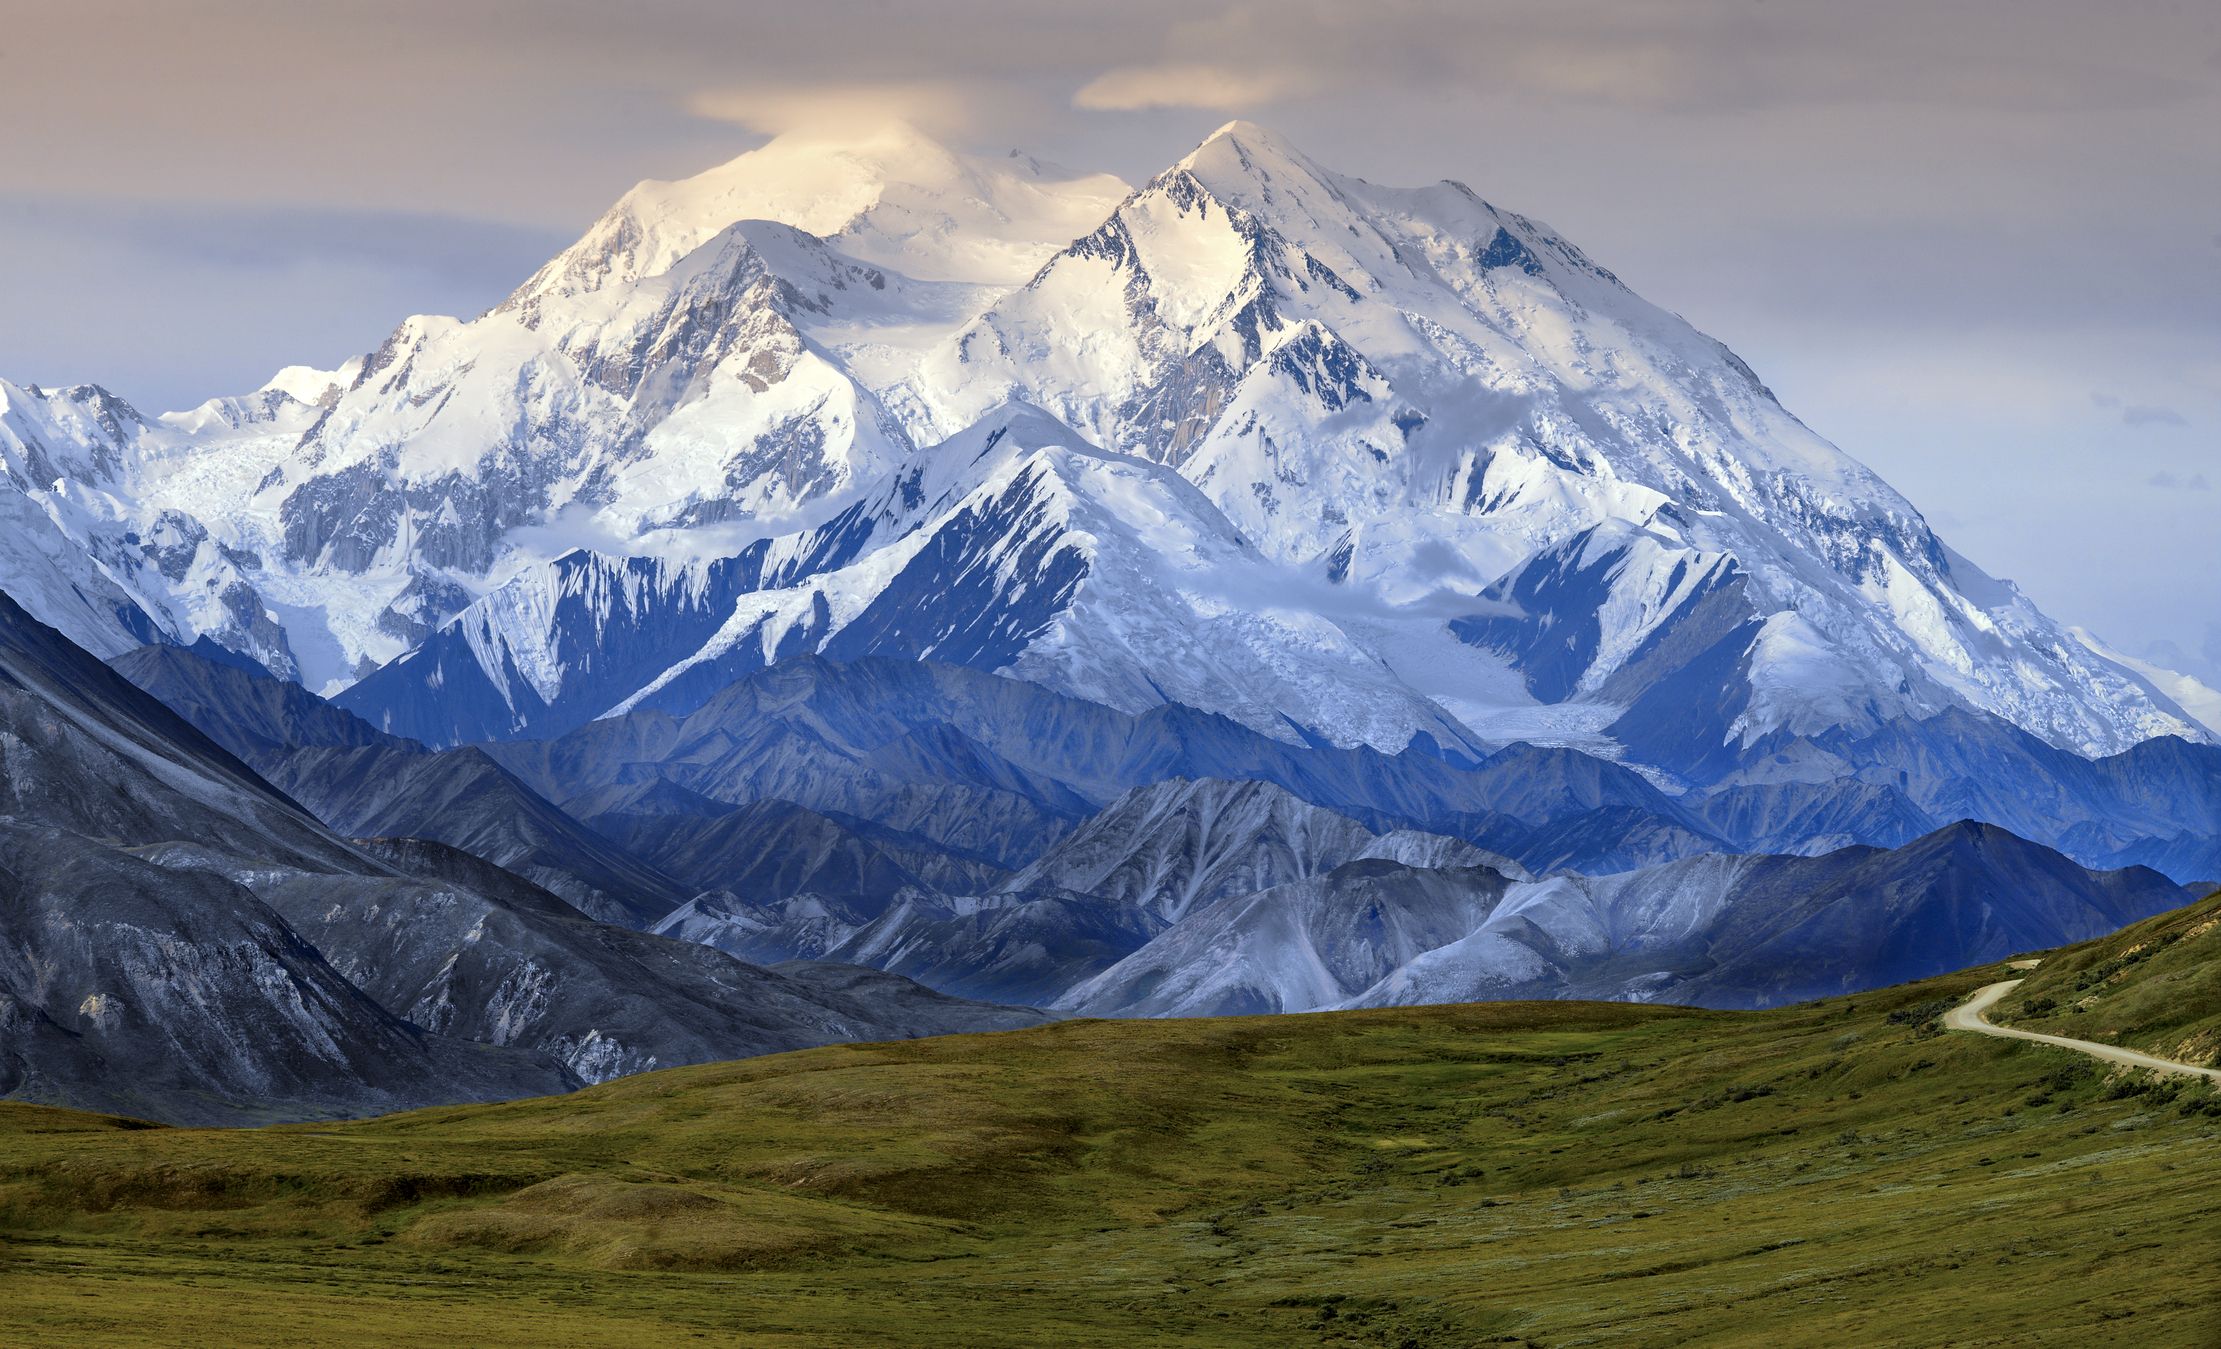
{"points": [[1968, 1016]]}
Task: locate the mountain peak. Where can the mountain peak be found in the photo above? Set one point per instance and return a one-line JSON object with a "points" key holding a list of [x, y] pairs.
{"points": [[1245, 132], [308, 384], [1249, 150], [1255, 169], [891, 196]]}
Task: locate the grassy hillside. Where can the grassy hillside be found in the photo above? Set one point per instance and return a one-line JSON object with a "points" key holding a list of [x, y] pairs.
{"points": [[1843, 1172], [2155, 986]]}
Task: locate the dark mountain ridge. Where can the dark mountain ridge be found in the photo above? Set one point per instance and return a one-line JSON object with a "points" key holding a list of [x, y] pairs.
{"points": [[180, 940]]}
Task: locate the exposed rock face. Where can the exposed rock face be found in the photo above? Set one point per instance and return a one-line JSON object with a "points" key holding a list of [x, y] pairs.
{"points": [[131, 988], [89, 753], [1095, 897], [463, 798], [472, 952], [363, 782], [181, 995], [1717, 931], [776, 850], [1177, 845], [1300, 947]]}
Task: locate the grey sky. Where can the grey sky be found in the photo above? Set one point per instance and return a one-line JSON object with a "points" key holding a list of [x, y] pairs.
{"points": [[1975, 242]]}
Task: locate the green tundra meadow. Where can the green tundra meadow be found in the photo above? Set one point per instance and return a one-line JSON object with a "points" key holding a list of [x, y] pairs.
{"points": [[1842, 1172]]}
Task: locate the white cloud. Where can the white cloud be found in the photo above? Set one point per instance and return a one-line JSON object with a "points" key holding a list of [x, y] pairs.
{"points": [[1177, 85], [839, 109]]}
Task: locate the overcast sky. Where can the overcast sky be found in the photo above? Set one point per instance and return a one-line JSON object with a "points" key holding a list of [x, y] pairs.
{"points": [[1975, 242]]}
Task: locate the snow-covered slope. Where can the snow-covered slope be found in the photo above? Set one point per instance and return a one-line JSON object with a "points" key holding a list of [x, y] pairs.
{"points": [[125, 529], [2200, 700], [1015, 545], [1405, 387], [1342, 462]]}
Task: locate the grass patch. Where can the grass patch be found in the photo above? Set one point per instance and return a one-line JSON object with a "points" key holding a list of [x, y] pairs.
{"points": [[1539, 1173]]}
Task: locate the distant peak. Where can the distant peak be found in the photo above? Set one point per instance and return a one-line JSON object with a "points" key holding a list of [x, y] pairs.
{"points": [[1247, 138], [93, 396], [1250, 165], [308, 384], [1027, 423], [1242, 129]]}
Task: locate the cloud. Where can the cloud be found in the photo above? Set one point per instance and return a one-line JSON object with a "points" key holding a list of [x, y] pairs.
{"points": [[2176, 482], [840, 109], [1177, 85], [454, 249], [2139, 414], [1649, 56], [2150, 414]]}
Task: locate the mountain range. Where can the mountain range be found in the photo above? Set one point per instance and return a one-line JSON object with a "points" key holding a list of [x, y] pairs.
{"points": [[868, 589], [997, 842], [179, 940]]}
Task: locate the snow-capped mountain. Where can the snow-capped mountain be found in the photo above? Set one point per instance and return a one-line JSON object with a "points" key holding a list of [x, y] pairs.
{"points": [[1344, 463], [686, 366], [1406, 387]]}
